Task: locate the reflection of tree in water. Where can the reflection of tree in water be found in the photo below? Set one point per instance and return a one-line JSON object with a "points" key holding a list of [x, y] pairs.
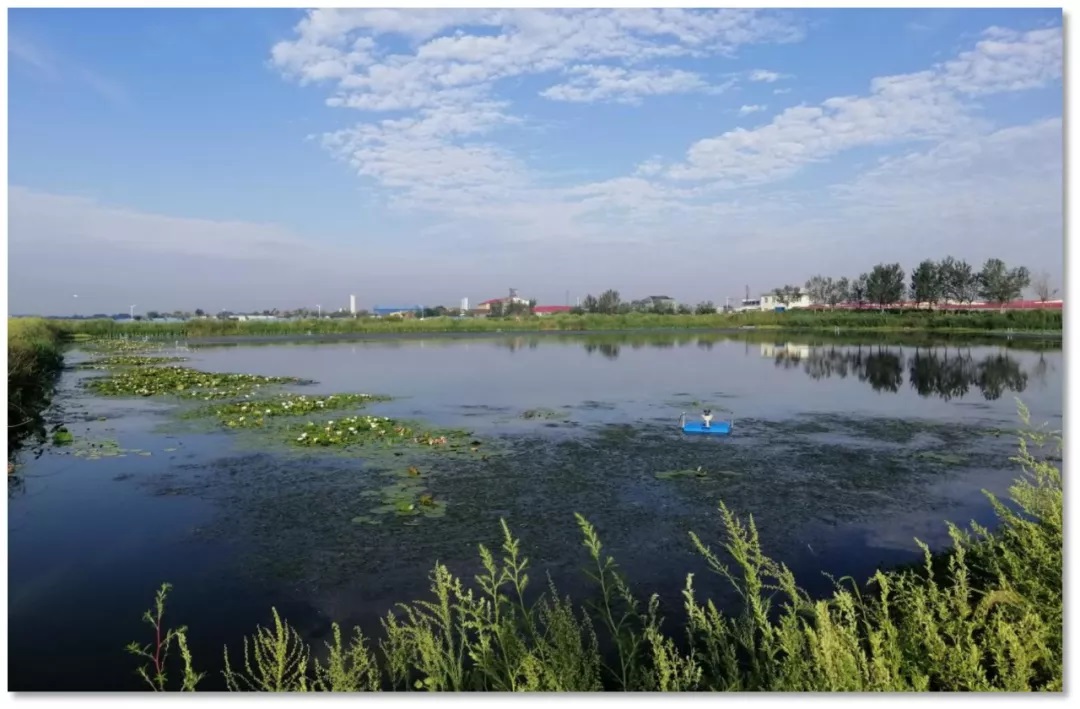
{"points": [[883, 369], [608, 349], [999, 373], [946, 374]]}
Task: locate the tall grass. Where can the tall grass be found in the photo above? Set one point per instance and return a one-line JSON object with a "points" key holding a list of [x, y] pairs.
{"points": [[34, 361], [984, 615], [1029, 320]]}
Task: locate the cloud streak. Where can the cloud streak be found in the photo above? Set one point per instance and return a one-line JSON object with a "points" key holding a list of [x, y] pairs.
{"points": [[51, 66]]}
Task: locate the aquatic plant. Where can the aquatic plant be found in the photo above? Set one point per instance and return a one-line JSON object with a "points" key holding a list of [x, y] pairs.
{"points": [[542, 413], [180, 381], [62, 437], [985, 615], [255, 413], [407, 496], [124, 345], [120, 361], [368, 430]]}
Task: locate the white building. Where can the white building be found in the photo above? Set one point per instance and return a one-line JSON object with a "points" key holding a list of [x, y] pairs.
{"points": [[769, 301]]}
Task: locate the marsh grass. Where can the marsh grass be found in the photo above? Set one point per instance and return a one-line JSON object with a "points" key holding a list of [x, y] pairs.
{"points": [[866, 320], [984, 615], [34, 363]]}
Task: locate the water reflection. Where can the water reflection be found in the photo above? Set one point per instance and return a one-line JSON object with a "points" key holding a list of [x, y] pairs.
{"points": [[945, 373], [946, 369]]}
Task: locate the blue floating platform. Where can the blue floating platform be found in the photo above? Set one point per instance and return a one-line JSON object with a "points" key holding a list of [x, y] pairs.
{"points": [[718, 428]]}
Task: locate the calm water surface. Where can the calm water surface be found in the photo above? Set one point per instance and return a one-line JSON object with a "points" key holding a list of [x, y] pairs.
{"points": [[843, 454]]}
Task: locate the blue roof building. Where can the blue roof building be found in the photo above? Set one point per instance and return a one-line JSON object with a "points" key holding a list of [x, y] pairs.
{"points": [[383, 310]]}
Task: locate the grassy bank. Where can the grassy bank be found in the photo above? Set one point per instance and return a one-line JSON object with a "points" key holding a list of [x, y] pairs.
{"points": [[34, 361], [985, 615], [981, 321]]}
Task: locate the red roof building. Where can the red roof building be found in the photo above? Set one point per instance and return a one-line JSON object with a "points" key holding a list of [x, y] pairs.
{"points": [[551, 309]]}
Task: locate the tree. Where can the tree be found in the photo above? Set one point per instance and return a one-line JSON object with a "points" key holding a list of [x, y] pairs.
{"points": [[858, 289], [885, 284], [705, 308], [997, 284], [958, 282], [1041, 285], [684, 309], [199, 312], [496, 310], [787, 295], [532, 306], [590, 304], [152, 315], [838, 292], [926, 284], [608, 304], [818, 289]]}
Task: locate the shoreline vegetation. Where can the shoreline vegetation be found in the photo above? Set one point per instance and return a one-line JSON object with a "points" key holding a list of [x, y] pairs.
{"points": [[985, 615], [937, 321], [34, 364]]}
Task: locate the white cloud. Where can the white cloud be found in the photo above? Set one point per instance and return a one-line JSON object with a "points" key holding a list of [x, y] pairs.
{"points": [[766, 76], [446, 154], [781, 91], [441, 155], [927, 105], [343, 46], [594, 83]]}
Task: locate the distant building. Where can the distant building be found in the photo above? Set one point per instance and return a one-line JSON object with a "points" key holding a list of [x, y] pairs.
{"points": [[551, 309], [254, 317], [769, 301], [484, 308], [406, 311]]}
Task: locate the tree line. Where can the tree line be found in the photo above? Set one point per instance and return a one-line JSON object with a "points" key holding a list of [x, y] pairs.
{"points": [[610, 303], [949, 281]]}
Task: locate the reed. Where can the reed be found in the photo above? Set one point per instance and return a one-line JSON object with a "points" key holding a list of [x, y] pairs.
{"points": [[34, 362]]}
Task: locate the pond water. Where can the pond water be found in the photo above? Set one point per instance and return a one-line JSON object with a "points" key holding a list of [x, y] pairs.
{"points": [[842, 452]]}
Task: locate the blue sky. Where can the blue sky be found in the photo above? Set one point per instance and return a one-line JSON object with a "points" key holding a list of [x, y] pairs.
{"points": [[277, 158]]}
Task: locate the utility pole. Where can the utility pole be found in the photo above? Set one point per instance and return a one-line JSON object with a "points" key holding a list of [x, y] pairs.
{"points": [[320, 310], [131, 312]]}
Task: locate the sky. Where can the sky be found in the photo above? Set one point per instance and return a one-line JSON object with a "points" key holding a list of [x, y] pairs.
{"points": [[251, 159]]}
